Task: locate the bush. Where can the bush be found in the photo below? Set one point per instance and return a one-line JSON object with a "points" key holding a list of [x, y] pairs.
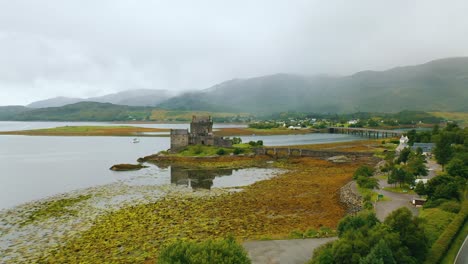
{"points": [[221, 152], [238, 151], [451, 206], [363, 171], [369, 183], [210, 251]]}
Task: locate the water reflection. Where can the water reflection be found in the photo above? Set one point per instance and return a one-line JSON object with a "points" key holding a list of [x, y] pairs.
{"points": [[196, 178]]}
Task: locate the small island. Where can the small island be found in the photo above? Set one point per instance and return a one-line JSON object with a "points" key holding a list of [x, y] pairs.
{"points": [[127, 167]]}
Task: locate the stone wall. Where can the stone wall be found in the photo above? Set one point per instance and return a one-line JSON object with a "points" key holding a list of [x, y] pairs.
{"points": [[308, 153], [179, 139], [221, 142], [351, 198]]}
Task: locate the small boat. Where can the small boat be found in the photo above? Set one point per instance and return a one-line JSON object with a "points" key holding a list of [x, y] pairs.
{"points": [[136, 140]]}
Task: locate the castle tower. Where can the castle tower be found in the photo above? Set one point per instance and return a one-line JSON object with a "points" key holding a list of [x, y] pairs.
{"points": [[201, 126]]}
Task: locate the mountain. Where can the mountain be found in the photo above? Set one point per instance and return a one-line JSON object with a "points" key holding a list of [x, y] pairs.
{"points": [[54, 102], [440, 85], [82, 111], [9, 112], [136, 97]]}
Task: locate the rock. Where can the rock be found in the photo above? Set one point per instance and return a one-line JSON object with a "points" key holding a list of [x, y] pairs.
{"points": [[127, 167], [339, 159], [353, 201]]}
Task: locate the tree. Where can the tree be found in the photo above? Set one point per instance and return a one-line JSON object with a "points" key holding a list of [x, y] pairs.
{"points": [[435, 130], [372, 123], [457, 167], [401, 176], [443, 150], [420, 188], [379, 254], [404, 155], [411, 232], [236, 140], [416, 165]]}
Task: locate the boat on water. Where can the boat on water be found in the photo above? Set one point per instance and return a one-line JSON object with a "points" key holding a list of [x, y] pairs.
{"points": [[136, 140]]}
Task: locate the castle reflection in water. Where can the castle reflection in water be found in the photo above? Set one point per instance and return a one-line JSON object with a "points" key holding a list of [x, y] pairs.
{"points": [[196, 178]]}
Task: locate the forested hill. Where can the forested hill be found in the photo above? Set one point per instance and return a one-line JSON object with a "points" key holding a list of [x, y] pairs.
{"points": [[82, 111], [440, 85]]}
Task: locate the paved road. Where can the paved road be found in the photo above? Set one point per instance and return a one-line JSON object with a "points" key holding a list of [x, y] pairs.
{"points": [[383, 209], [462, 256], [295, 251]]}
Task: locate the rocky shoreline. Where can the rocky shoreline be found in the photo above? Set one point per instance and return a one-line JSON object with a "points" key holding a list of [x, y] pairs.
{"points": [[351, 198]]}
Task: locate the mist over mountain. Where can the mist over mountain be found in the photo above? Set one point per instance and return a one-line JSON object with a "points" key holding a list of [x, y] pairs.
{"points": [[136, 97], [437, 85]]}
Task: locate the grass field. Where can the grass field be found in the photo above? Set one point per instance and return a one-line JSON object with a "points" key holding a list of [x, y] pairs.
{"points": [[86, 131], [460, 117], [167, 115]]}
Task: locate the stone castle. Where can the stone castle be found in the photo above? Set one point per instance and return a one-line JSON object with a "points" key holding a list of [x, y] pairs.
{"points": [[201, 132]]}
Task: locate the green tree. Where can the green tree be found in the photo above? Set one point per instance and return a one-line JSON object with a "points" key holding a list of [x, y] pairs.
{"points": [[420, 188], [458, 167], [379, 254], [416, 165], [411, 232], [404, 155], [443, 150]]}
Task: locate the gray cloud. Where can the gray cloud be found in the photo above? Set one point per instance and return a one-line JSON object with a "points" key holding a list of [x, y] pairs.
{"points": [[89, 48]]}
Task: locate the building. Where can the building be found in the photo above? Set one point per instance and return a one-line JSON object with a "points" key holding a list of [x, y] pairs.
{"points": [[426, 147], [201, 133], [403, 143]]}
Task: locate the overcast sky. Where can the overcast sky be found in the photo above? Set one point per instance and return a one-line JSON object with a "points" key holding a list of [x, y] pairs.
{"points": [[88, 48]]}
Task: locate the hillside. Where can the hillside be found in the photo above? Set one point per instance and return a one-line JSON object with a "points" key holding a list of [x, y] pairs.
{"points": [[440, 85], [92, 111], [137, 97], [84, 111]]}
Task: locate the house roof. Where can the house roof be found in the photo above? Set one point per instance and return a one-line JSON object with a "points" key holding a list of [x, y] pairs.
{"points": [[423, 146]]}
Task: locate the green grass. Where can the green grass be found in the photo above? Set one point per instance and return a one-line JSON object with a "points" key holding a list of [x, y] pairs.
{"points": [[371, 195], [397, 189], [435, 222], [206, 151]]}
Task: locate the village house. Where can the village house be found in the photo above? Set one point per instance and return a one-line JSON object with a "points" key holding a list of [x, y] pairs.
{"points": [[403, 144], [201, 133], [425, 147]]}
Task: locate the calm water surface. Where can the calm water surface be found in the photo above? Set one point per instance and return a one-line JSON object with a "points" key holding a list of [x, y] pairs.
{"points": [[34, 167], [19, 125]]}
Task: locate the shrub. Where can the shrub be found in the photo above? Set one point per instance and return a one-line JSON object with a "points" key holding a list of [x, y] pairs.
{"points": [[369, 183], [237, 151], [198, 149], [221, 152], [210, 251], [363, 171], [451, 206]]}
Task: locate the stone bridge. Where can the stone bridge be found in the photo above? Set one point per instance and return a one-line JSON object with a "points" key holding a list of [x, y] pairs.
{"points": [[365, 132]]}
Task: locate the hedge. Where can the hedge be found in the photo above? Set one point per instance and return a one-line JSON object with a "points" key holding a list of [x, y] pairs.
{"points": [[442, 244]]}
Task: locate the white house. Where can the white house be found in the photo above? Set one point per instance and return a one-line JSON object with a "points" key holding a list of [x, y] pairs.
{"points": [[403, 143]]}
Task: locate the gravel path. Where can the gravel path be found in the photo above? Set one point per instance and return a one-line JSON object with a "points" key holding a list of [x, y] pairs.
{"points": [[295, 251]]}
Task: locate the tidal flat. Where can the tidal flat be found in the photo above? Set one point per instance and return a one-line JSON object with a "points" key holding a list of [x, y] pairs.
{"points": [[31, 231], [123, 223]]}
